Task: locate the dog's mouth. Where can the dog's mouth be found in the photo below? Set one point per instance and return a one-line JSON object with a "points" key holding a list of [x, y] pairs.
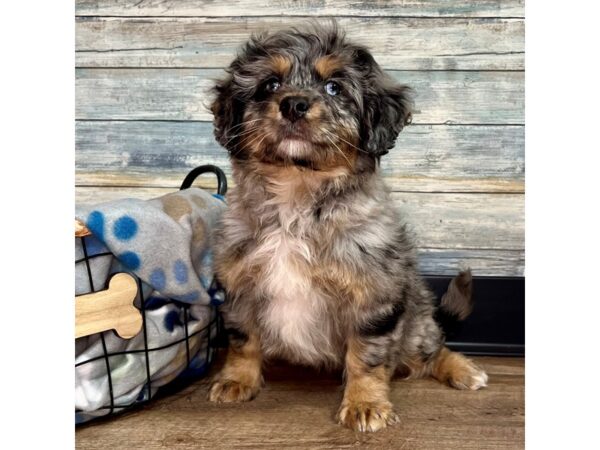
{"points": [[295, 148], [295, 131], [295, 140]]}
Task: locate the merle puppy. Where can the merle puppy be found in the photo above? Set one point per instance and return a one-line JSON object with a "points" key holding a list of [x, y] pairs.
{"points": [[317, 264]]}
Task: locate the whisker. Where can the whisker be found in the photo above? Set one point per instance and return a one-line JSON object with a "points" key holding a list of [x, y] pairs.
{"points": [[352, 145], [264, 135], [344, 140], [247, 130], [243, 133], [261, 141], [253, 140], [339, 150], [242, 124]]}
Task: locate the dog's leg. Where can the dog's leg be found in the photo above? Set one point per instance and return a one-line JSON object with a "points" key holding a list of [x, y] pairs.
{"points": [[457, 370], [366, 405], [240, 378]]}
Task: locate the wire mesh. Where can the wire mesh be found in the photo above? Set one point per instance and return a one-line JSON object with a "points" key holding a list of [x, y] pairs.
{"points": [[208, 333]]}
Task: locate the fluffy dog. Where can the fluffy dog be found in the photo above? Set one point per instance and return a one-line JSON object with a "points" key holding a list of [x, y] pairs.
{"points": [[317, 264]]}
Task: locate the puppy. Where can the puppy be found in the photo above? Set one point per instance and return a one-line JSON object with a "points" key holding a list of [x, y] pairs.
{"points": [[316, 262]]}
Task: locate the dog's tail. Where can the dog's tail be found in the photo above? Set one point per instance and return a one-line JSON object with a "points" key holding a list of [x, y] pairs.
{"points": [[458, 299]]}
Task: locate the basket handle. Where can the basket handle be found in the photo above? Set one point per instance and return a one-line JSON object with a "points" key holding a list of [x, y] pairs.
{"points": [[221, 178]]}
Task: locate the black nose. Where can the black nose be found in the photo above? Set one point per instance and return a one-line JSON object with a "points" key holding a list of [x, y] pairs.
{"points": [[293, 108]]}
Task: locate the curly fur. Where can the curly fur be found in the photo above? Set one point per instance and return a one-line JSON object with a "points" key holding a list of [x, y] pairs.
{"points": [[317, 263]]}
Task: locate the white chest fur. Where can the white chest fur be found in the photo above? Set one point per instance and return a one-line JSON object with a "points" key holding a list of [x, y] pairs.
{"points": [[295, 322]]}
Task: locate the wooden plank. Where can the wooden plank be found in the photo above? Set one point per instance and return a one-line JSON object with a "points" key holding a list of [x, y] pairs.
{"points": [[426, 8], [89, 195], [426, 157], [397, 43], [302, 403], [481, 231], [463, 221], [182, 94], [488, 262]]}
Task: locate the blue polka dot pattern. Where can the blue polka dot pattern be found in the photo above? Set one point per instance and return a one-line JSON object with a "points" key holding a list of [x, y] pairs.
{"points": [[171, 320], [196, 368], [180, 270], [125, 228], [158, 279], [130, 260], [95, 223], [142, 395]]}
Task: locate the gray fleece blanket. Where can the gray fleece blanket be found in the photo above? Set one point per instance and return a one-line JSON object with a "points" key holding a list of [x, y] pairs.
{"points": [[167, 243]]}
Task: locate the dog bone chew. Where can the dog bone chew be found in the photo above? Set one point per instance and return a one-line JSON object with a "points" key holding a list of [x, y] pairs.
{"points": [[111, 309], [81, 230]]}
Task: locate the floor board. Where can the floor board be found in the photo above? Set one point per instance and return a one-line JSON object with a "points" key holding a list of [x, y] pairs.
{"points": [[296, 409]]}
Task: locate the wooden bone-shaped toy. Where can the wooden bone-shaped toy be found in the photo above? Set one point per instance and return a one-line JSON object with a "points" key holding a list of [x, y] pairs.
{"points": [[111, 309]]}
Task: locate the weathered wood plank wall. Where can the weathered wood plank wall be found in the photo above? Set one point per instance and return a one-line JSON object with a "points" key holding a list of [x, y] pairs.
{"points": [[144, 67]]}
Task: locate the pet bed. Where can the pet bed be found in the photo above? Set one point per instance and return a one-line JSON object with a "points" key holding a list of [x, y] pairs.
{"points": [[146, 296]]}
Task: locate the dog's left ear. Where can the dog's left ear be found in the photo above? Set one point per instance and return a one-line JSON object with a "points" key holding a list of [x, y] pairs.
{"points": [[227, 112], [387, 109]]}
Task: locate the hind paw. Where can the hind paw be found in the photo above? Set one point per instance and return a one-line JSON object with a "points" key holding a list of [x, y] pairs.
{"points": [[459, 371], [472, 378]]}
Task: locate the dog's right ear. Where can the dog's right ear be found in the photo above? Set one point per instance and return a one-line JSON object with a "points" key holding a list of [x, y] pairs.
{"points": [[227, 112]]}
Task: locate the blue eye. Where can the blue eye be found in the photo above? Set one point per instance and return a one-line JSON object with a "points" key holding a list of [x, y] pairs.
{"points": [[332, 88], [272, 85]]}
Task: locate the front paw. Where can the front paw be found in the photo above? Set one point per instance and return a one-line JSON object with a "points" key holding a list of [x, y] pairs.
{"points": [[367, 416], [227, 391]]}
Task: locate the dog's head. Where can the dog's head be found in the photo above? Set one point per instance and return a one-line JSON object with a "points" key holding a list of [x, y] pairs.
{"points": [[310, 99]]}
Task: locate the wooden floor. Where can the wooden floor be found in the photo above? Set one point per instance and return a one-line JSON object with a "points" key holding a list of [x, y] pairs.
{"points": [[296, 409]]}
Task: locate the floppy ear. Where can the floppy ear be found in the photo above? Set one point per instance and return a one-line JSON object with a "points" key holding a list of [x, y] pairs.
{"points": [[228, 112], [387, 109]]}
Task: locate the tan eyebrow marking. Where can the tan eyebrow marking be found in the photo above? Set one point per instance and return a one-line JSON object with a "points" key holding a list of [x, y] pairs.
{"points": [[327, 65], [281, 65]]}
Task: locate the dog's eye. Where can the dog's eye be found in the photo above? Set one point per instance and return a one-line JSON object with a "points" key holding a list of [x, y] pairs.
{"points": [[272, 85], [332, 88]]}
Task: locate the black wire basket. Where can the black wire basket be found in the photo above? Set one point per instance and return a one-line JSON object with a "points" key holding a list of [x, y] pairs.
{"points": [[118, 374]]}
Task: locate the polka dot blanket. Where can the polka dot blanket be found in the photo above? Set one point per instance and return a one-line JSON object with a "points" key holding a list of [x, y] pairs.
{"points": [[167, 243]]}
